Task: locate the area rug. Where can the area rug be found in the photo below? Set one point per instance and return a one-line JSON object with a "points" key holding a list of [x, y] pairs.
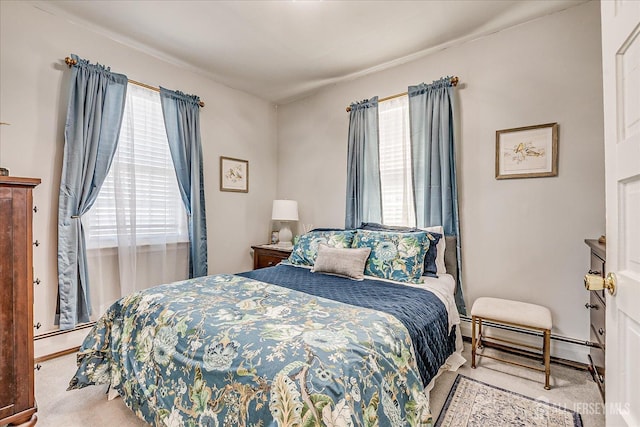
{"points": [[474, 403]]}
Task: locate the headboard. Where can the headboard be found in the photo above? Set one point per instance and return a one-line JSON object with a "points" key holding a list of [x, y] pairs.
{"points": [[451, 256]]}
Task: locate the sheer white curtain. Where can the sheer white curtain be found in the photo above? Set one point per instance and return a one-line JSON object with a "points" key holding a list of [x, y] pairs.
{"points": [[395, 163], [137, 234]]}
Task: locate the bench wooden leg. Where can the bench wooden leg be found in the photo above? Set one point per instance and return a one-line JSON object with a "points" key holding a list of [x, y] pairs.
{"points": [[547, 358], [473, 342]]}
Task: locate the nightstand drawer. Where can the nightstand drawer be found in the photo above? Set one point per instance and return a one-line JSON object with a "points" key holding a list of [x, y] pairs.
{"points": [[264, 256], [268, 261]]}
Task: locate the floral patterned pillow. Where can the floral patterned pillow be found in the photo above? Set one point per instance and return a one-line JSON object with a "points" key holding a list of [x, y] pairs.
{"points": [[305, 250], [394, 256], [434, 254]]}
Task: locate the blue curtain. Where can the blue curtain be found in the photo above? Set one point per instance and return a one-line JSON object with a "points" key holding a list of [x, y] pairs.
{"points": [[431, 111], [182, 121], [364, 194], [94, 116]]}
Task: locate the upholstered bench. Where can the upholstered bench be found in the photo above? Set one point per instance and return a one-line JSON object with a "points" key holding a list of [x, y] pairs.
{"points": [[512, 313]]}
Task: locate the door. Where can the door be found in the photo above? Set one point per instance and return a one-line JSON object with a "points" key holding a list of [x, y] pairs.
{"points": [[621, 76]]}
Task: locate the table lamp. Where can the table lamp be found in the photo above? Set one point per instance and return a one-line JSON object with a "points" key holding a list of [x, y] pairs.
{"points": [[284, 211]]}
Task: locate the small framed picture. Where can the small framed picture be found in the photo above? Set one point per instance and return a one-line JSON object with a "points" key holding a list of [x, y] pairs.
{"points": [[234, 175], [527, 152], [274, 237]]}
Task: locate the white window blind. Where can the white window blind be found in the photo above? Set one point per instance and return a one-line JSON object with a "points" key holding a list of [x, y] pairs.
{"points": [[139, 200], [395, 162]]}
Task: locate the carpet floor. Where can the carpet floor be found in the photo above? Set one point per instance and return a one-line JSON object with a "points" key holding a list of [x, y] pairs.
{"points": [[572, 389]]}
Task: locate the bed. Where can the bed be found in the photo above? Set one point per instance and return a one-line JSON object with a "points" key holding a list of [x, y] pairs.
{"points": [[281, 346]]}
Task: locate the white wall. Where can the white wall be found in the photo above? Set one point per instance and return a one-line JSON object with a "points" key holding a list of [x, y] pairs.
{"points": [[33, 98], [523, 238]]}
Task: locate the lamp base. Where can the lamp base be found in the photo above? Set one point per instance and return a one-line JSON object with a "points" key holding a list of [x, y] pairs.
{"points": [[285, 236]]}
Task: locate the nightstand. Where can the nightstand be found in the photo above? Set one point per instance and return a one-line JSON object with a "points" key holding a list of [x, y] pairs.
{"points": [[269, 255]]}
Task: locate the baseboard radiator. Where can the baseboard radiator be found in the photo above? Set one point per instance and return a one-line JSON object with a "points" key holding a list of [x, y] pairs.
{"points": [[64, 351], [66, 331]]}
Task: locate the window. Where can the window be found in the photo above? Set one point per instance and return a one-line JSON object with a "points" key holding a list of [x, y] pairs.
{"points": [[395, 162], [140, 199]]}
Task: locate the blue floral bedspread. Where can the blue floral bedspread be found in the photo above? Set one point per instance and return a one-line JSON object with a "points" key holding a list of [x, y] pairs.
{"points": [[227, 350], [421, 312]]}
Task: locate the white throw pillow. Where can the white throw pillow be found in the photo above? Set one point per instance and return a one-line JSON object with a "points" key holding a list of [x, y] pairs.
{"points": [[440, 247]]}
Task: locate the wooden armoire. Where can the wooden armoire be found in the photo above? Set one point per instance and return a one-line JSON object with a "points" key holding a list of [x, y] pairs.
{"points": [[17, 400]]}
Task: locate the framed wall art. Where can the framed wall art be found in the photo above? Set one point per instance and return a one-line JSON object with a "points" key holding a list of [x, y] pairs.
{"points": [[234, 175], [527, 152]]}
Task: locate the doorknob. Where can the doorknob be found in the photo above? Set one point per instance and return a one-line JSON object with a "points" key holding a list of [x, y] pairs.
{"points": [[598, 283]]}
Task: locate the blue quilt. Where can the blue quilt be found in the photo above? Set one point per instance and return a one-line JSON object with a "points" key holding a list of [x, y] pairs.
{"points": [[227, 350], [421, 312]]}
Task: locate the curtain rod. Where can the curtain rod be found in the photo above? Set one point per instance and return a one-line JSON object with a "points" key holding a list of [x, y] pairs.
{"points": [[454, 82], [71, 62]]}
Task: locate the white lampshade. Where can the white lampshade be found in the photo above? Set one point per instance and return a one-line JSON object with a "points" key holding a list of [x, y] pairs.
{"points": [[284, 210]]}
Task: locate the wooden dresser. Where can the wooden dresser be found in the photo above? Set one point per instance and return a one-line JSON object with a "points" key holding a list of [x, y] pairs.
{"points": [[268, 255], [17, 400], [597, 307]]}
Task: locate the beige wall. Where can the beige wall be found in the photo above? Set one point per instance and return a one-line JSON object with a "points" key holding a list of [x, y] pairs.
{"points": [[521, 239], [33, 98]]}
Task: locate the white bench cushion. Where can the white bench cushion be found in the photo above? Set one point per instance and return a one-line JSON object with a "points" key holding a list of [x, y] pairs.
{"points": [[520, 313]]}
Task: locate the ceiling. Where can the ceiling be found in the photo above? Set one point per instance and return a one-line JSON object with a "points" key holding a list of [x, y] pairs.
{"points": [[283, 50]]}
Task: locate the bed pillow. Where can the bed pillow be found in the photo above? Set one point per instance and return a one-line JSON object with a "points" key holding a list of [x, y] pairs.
{"points": [[344, 262], [394, 256], [305, 250], [432, 256], [441, 247]]}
